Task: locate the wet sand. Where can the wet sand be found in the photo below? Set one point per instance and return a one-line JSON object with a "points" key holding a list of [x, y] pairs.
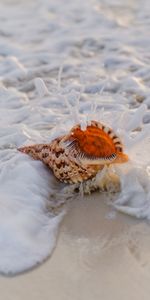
{"points": [[97, 256]]}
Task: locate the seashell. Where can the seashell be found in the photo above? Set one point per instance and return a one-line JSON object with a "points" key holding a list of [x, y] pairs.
{"points": [[80, 154]]}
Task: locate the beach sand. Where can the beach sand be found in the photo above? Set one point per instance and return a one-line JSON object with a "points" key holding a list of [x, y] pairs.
{"points": [[96, 257]]}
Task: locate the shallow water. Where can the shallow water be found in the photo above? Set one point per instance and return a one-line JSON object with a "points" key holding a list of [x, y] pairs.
{"points": [[66, 63]]}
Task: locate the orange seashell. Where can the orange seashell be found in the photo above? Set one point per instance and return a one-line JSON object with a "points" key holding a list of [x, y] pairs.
{"points": [[94, 142], [81, 154]]}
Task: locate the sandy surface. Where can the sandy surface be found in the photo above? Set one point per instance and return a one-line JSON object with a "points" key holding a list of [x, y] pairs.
{"points": [[96, 257]]}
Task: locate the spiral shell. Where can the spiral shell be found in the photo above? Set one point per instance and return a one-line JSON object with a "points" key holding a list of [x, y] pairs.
{"points": [[80, 154]]}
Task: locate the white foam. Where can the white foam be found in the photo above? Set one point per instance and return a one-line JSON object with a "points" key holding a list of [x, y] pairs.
{"points": [[41, 87], [136, 121], [41, 98], [27, 230], [134, 198]]}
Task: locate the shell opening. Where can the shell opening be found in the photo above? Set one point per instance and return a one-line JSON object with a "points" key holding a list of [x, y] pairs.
{"points": [[97, 144]]}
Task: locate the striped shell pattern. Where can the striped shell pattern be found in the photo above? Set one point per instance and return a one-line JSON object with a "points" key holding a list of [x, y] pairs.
{"points": [[80, 154]]}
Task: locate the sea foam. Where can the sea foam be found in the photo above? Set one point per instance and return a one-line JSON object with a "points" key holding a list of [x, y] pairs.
{"points": [[68, 63]]}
